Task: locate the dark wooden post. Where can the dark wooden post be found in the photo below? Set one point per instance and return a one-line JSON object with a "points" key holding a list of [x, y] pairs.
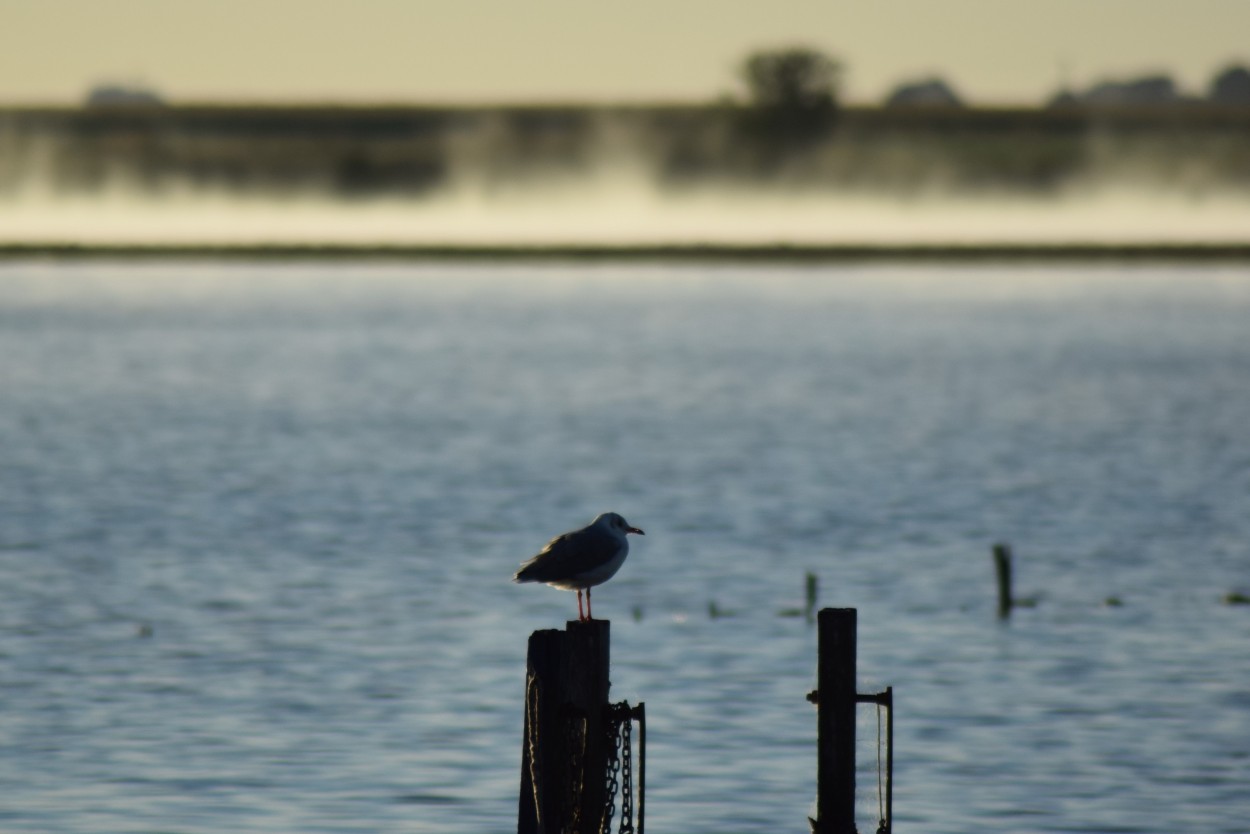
{"points": [[1002, 570], [564, 752], [588, 656], [544, 762], [835, 722]]}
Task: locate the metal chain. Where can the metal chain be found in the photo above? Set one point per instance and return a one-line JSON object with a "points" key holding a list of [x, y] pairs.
{"points": [[611, 729], [627, 768], [618, 729], [618, 777]]}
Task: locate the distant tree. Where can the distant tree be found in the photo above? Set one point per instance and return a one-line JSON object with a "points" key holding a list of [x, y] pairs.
{"points": [[796, 78], [793, 94], [1232, 86]]}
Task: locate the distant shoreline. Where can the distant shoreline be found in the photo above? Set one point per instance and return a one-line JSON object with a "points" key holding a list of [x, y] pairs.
{"points": [[679, 252]]}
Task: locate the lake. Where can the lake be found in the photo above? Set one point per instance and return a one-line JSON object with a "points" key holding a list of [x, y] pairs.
{"points": [[258, 524]]}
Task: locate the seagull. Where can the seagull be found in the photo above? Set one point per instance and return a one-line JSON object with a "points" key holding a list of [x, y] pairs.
{"points": [[582, 558]]}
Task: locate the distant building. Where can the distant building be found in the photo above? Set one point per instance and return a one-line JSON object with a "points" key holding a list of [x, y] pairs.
{"points": [[929, 92], [1064, 98], [1148, 91], [1232, 86], [1153, 89], [117, 95]]}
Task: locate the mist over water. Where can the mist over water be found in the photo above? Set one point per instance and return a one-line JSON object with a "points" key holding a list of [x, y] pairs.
{"points": [[621, 210]]}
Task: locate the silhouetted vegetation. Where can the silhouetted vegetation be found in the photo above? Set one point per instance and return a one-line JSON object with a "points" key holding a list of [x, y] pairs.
{"points": [[795, 80], [790, 131], [413, 152], [793, 101], [1232, 87]]}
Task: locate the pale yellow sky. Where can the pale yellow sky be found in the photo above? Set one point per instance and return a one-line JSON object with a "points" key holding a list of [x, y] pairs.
{"points": [[991, 51]]}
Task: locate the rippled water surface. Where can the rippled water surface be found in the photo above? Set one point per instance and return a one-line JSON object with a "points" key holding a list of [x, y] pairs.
{"points": [[257, 525]]}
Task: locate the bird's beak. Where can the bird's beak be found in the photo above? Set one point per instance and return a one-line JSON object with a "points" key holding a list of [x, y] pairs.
{"points": [[634, 530]]}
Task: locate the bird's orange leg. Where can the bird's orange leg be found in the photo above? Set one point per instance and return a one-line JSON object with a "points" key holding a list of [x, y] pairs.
{"points": [[589, 616], [580, 616]]}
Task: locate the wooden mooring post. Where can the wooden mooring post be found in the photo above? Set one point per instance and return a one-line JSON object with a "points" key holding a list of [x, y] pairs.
{"points": [[564, 752], [1002, 573], [836, 697], [567, 747]]}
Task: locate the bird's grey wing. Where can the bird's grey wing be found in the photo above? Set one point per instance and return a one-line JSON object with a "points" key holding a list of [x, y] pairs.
{"points": [[570, 554]]}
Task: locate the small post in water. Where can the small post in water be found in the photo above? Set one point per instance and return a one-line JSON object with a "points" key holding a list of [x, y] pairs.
{"points": [[809, 605], [1002, 569]]}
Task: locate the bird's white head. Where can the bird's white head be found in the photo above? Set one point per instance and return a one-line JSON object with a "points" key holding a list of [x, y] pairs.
{"points": [[616, 523]]}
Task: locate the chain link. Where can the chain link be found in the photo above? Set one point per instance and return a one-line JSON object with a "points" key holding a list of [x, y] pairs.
{"points": [[627, 769], [611, 731], [619, 772], [618, 729]]}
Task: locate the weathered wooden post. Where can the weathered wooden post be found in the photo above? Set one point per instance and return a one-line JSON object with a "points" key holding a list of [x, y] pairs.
{"points": [[543, 759], [588, 650], [1002, 571], [835, 722], [563, 754]]}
